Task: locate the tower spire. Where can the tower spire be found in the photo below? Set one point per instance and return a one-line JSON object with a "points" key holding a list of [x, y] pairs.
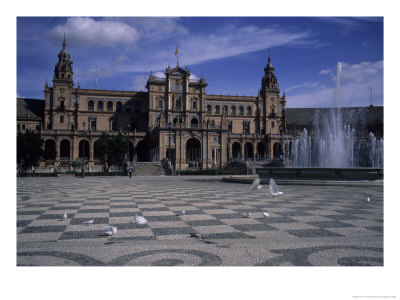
{"points": [[177, 56], [96, 78]]}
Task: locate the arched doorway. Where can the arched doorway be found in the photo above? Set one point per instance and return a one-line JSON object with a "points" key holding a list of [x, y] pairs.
{"points": [[260, 151], [277, 149], [248, 147], [235, 150], [84, 149], [193, 153], [50, 151], [141, 150], [65, 150]]}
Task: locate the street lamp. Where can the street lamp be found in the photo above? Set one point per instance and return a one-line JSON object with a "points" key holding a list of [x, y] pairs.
{"points": [[83, 150], [281, 144]]}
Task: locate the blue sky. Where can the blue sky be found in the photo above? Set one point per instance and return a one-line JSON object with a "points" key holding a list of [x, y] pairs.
{"points": [[231, 52]]}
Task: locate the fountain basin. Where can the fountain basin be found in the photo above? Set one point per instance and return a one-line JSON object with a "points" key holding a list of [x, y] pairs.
{"points": [[322, 173]]}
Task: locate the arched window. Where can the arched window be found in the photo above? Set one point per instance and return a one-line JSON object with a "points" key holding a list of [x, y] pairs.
{"points": [[241, 110], [100, 106], [91, 105], [209, 110], [177, 87], [128, 107], [217, 110], [119, 106], [233, 110], [109, 106], [248, 110], [225, 110]]}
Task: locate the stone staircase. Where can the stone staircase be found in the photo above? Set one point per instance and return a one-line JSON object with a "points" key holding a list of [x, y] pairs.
{"points": [[147, 169]]}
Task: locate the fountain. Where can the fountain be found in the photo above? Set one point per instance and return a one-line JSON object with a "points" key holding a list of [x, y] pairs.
{"points": [[338, 140]]}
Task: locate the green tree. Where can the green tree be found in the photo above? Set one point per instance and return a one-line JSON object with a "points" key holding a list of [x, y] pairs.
{"points": [[118, 147], [29, 151], [101, 150], [111, 150]]}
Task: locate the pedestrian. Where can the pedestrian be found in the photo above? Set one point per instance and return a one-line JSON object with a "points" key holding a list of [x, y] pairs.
{"points": [[130, 172]]}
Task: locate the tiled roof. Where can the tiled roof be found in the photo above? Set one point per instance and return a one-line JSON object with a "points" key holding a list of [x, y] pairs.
{"points": [[305, 116], [30, 108]]}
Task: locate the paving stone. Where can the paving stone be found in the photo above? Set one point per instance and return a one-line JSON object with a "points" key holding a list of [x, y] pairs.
{"points": [[302, 223]]}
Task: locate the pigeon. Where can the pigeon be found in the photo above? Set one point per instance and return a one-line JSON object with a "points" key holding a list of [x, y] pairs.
{"points": [[266, 214], [274, 188], [109, 230], [368, 199], [88, 222], [248, 214], [64, 216], [181, 213], [255, 184], [139, 220]]}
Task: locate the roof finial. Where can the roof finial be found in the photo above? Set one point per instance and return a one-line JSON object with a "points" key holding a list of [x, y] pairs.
{"points": [[64, 42], [177, 56]]}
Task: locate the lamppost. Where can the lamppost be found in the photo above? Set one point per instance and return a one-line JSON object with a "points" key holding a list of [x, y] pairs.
{"points": [[83, 149], [180, 143], [281, 144], [169, 141]]}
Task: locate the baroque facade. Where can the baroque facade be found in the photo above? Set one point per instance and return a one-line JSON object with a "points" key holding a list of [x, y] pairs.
{"points": [[174, 119]]}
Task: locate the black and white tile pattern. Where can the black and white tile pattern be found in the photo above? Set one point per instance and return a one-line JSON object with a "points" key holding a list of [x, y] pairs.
{"points": [[334, 221]]}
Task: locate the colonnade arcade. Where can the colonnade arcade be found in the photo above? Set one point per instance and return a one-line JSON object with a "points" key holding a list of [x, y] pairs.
{"points": [[67, 149]]}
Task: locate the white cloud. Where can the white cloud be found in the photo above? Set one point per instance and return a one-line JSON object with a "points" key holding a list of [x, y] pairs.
{"points": [[325, 72], [85, 31], [158, 28], [361, 72], [232, 40], [305, 85], [356, 80]]}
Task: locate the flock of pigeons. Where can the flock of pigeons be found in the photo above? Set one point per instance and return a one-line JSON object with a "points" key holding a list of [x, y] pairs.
{"points": [[111, 230]]}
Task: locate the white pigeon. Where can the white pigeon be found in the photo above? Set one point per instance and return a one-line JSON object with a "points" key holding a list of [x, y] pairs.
{"points": [[266, 214], [255, 184], [64, 216], [139, 220], [248, 214], [88, 222], [368, 199], [109, 230], [274, 188]]}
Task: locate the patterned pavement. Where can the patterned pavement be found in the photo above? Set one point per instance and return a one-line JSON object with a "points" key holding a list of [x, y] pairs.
{"points": [[307, 225]]}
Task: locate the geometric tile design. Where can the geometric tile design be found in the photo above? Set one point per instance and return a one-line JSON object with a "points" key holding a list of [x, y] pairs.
{"points": [[214, 210]]}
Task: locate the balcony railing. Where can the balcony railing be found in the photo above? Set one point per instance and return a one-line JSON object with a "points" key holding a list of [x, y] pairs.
{"points": [[194, 126]]}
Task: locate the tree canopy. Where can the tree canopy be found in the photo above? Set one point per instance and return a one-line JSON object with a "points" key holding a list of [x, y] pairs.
{"points": [[111, 150], [29, 151]]}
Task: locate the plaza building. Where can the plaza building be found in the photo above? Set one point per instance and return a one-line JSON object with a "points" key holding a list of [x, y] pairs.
{"points": [[175, 119]]}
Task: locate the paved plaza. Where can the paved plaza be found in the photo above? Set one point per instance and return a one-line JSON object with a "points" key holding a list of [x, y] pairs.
{"points": [[307, 225]]}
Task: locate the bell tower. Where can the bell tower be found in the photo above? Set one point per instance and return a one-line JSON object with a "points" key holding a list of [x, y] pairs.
{"points": [[59, 100], [271, 109]]}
